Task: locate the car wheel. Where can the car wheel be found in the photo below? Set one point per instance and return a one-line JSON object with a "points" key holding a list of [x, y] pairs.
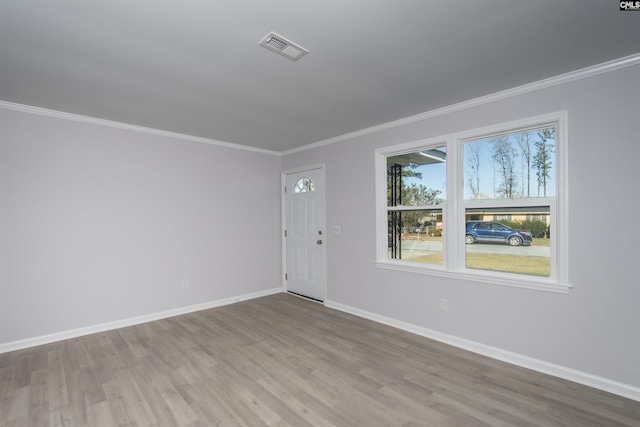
{"points": [[514, 241], [470, 239]]}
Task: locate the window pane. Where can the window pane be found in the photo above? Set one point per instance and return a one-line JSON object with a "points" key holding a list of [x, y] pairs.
{"points": [[304, 185], [511, 166], [416, 235], [518, 245], [417, 179]]}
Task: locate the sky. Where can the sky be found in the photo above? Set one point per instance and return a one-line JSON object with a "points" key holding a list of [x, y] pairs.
{"points": [[434, 175]]}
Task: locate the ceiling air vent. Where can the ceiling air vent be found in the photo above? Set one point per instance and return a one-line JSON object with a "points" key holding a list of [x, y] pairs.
{"points": [[284, 47]]}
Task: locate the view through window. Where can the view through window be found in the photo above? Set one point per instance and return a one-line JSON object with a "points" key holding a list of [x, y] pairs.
{"points": [[416, 192], [478, 202], [506, 177]]}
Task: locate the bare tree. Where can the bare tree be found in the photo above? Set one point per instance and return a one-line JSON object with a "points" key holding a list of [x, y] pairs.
{"points": [[474, 150], [495, 180], [525, 143], [505, 155]]}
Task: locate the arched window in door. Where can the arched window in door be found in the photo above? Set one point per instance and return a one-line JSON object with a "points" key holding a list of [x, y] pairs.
{"points": [[304, 185]]}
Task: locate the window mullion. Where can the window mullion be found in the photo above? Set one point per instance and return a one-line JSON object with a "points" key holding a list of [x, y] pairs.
{"points": [[454, 254], [453, 164]]}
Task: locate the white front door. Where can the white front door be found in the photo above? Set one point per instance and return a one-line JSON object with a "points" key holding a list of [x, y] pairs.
{"points": [[305, 233]]}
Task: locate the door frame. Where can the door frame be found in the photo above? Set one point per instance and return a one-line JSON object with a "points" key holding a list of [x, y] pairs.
{"points": [[322, 215]]}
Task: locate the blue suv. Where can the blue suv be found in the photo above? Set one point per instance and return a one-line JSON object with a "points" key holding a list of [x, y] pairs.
{"points": [[485, 232]]}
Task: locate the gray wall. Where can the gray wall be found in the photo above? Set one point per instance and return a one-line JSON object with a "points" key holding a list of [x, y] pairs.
{"points": [[100, 224], [593, 329]]}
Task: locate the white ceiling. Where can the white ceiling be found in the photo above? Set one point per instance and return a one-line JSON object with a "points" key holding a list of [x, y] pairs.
{"points": [[195, 67]]}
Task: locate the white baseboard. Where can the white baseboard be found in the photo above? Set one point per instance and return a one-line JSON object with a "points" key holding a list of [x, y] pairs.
{"points": [[600, 383], [59, 336]]}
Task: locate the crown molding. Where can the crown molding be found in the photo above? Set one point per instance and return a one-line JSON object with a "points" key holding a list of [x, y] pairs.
{"points": [[605, 67], [135, 128]]}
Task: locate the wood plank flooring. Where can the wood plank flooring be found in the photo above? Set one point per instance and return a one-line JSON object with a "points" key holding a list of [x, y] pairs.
{"points": [[284, 361]]}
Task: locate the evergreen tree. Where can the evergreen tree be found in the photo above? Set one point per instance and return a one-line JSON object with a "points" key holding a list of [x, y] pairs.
{"points": [[543, 160]]}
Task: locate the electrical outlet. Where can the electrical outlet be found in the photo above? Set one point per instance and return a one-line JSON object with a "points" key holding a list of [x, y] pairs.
{"points": [[336, 229], [184, 284], [444, 304]]}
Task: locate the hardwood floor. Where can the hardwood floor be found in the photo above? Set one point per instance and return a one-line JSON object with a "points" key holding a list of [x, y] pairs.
{"points": [[284, 361]]}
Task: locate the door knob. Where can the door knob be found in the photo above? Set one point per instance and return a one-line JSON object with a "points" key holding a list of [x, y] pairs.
{"points": [[319, 242]]}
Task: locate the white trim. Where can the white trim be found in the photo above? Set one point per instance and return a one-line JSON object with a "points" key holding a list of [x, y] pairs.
{"points": [[605, 67], [558, 204], [454, 208], [487, 277], [380, 166], [323, 220], [59, 336], [303, 169], [135, 128], [584, 378], [283, 228]]}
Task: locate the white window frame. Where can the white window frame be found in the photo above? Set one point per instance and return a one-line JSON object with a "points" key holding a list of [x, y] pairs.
{"points": [[453, 210]]}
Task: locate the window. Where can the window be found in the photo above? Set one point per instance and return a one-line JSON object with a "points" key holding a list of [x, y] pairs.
{"points": [[503, 175], [304, 185], [487, 205], [416, 191]]}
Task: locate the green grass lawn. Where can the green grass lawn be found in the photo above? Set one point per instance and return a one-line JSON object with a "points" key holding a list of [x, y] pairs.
{"points": [[543, 241], [537, 266]]}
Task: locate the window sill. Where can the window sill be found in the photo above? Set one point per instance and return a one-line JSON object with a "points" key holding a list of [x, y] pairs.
{"points": [[480, 276]]}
